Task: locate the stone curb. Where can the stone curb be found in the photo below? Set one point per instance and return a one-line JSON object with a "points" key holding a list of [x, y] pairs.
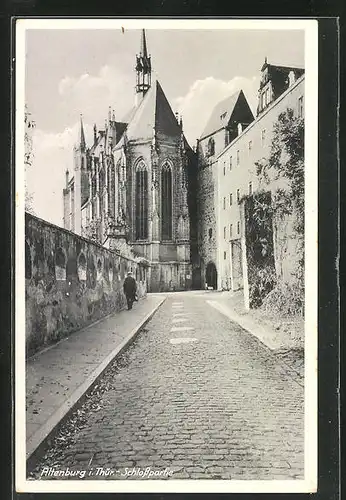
{"points": [[39, 441]]}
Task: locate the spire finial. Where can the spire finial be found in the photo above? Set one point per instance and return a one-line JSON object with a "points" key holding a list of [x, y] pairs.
{"points": [[82, 136], [144, 51]]}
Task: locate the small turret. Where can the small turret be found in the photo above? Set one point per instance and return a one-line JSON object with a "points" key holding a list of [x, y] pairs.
{"points": [[143, 68]]}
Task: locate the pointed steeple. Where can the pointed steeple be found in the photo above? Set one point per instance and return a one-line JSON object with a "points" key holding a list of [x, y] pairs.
{"points": [[82, 143], [144, 51], [143, 68]]}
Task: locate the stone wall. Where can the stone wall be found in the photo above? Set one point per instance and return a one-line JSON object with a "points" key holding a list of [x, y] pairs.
{"points": [[70, 282]]}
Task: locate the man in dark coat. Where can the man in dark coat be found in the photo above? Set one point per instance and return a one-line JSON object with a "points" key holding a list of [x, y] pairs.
{"points": [[130, 288]]}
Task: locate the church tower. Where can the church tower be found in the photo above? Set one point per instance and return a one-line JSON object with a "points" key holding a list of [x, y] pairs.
{"points": [[143, 70]]}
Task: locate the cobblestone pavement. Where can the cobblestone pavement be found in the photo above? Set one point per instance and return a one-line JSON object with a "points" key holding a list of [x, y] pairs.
{"points": [[196, 394]]}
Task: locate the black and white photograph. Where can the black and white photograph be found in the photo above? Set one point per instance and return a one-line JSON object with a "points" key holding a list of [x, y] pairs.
{"points": [[166, 255]]}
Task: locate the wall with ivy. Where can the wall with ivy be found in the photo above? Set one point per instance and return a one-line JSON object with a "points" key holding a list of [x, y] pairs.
{"points": [[258, 218]]}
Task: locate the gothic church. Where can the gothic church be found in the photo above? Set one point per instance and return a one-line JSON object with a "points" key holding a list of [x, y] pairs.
{"points": [[134, 189]]}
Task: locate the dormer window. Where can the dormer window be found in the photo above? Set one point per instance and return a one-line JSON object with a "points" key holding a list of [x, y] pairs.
{"points": [[223, 115], [240, 128], [291, 78], [211, 147]]}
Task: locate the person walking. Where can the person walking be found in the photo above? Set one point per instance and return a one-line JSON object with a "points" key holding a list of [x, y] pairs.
{"points": [[130, 288]]}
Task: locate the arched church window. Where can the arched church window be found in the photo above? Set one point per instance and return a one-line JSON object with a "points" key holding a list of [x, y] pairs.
{"points": [[166, 202], [141, 201], [111, 189]]}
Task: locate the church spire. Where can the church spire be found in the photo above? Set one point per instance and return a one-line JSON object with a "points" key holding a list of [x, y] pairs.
{"points": [[143, 68], [82, 143], [144, 45]]}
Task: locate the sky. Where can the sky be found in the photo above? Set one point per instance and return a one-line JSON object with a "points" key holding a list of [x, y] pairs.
{"points": [[72, 72]]}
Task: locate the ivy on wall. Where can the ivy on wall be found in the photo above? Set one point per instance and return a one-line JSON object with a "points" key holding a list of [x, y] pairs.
{"points": [[284, 174], [259, 246]]}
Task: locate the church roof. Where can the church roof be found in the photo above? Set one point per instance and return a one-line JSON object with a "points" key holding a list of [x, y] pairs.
{"points": [[154, 112], [221, 114], [129, 115]]}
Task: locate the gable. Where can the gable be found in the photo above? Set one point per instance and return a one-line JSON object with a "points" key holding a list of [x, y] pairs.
{"points": [[234, 108]]}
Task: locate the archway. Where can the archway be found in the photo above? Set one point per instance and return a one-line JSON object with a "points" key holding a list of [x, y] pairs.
{"points": [[211, 275]]}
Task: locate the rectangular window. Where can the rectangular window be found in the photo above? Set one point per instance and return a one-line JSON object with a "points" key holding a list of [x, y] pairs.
{"points": [[238, 227], [238, 195], [230, 230], [224, 168], [301, 107], [250, 146], [238, 157], [224, 203], [263, 137], [230, 199], [224, 232], [230, 163], [224, 255], [250, 188]]}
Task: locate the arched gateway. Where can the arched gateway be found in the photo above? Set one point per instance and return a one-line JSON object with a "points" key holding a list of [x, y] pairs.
{"points": [[211, 275]]}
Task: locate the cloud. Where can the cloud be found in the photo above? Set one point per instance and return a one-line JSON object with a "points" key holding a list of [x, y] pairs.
{"points": [[92, 95], [53, 154], [197, 105]]}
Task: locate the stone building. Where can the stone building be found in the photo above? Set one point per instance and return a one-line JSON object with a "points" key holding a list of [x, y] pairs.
{"points": [[134, 188], [226, 169], [228, 119]]}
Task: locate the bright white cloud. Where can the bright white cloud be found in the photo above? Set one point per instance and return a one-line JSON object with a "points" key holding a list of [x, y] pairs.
{"points": [[197, 105]]}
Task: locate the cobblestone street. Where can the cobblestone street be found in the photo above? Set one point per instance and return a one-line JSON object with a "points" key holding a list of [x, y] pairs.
{"points": [[197, 394]]}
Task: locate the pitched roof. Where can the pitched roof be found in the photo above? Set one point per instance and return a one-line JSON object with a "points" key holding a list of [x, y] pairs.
{"points": [[129, 115], [154, 111], [221, 114]]}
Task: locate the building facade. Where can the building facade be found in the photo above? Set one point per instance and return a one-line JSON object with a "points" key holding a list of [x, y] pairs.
{"points": [[229, 118], [134, 187], [231, 173]]}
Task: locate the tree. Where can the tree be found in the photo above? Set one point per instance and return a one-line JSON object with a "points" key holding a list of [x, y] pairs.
{"points": [[28, 155], [286, 162]]}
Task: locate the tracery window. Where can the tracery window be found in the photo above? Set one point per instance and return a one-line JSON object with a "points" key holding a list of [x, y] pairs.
{"points": [[141, 197], [166, 202]]}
